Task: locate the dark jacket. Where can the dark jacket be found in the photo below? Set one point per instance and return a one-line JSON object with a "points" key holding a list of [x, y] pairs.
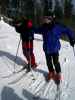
{"points": [[25, 31]]}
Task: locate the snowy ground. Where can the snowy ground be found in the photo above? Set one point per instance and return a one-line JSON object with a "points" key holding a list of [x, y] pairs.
{"points": [[21, 86]]}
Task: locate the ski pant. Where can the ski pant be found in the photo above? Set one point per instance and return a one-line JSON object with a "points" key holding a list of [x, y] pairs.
{"points": [[52, 61], [28, 52]]}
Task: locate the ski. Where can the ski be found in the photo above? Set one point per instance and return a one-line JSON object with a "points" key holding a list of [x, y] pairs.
{"points": [[58, 93], [57, 82], [58, 89], [18, 79], [21, 77], [16, 72]]}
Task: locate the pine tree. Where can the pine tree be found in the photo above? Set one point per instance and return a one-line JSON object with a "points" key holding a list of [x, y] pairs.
{"points": [[68, 8], [45, 7], [58, 9]]}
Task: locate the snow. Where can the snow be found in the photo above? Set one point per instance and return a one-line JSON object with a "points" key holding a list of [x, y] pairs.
{"points": [[21, 86]]}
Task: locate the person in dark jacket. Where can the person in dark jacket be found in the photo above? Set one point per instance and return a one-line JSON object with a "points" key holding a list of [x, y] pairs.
{"points": [[51, 32], [24, 27]]}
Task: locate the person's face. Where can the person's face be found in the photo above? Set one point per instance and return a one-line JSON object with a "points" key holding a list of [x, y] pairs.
{"points": [[47, 21]]}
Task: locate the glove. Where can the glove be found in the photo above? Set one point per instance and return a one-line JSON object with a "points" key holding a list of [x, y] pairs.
{"points": [[72, 42]]}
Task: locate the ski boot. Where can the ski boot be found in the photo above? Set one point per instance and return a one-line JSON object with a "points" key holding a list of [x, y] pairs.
{"points": [[34, 66], [50, 75], [57, 78], [27, 67]]}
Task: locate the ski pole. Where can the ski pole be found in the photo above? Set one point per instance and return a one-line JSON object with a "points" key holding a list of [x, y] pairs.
{"points": [[30, 62], [16, 54], [74, 51]]}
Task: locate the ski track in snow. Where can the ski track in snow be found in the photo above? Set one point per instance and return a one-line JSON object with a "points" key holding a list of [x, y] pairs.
{"points": [[21, 86]]}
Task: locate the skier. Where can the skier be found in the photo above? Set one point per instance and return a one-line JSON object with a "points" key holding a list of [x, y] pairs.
{"points": [[51, 32], [24, 27]]}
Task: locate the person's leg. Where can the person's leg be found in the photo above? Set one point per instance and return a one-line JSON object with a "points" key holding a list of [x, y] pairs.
{"points": [[49, 62], [50, 67], [24, 49], [56, 62], [28, 53], [33, 63], [57, 77]]}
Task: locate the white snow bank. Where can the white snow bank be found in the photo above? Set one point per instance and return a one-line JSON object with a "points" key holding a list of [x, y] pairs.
{"points": [[21, 86]]}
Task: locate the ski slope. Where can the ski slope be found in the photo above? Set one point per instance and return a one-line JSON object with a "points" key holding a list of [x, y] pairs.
{"points": [[21, 86]]}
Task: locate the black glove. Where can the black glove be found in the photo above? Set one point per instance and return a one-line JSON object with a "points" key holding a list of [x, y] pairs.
{"points": [[72, 42]]}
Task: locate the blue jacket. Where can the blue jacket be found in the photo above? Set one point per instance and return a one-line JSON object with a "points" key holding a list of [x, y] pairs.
{"points": [[51, 43]]}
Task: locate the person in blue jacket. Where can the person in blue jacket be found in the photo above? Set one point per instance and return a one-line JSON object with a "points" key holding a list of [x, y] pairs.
{"points": [[51, 32]]}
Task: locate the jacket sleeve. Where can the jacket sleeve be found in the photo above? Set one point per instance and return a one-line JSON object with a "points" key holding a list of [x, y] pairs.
{"points": [[38, 30], [19, 28], [68, 32]]}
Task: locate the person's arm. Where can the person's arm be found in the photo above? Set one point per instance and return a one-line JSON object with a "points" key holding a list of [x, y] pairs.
{"points": [[37, 30], [70, 35], [18, 29]]}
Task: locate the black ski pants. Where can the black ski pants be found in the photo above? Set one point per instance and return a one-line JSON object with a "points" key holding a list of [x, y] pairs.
{"points": [[52, 61]]}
